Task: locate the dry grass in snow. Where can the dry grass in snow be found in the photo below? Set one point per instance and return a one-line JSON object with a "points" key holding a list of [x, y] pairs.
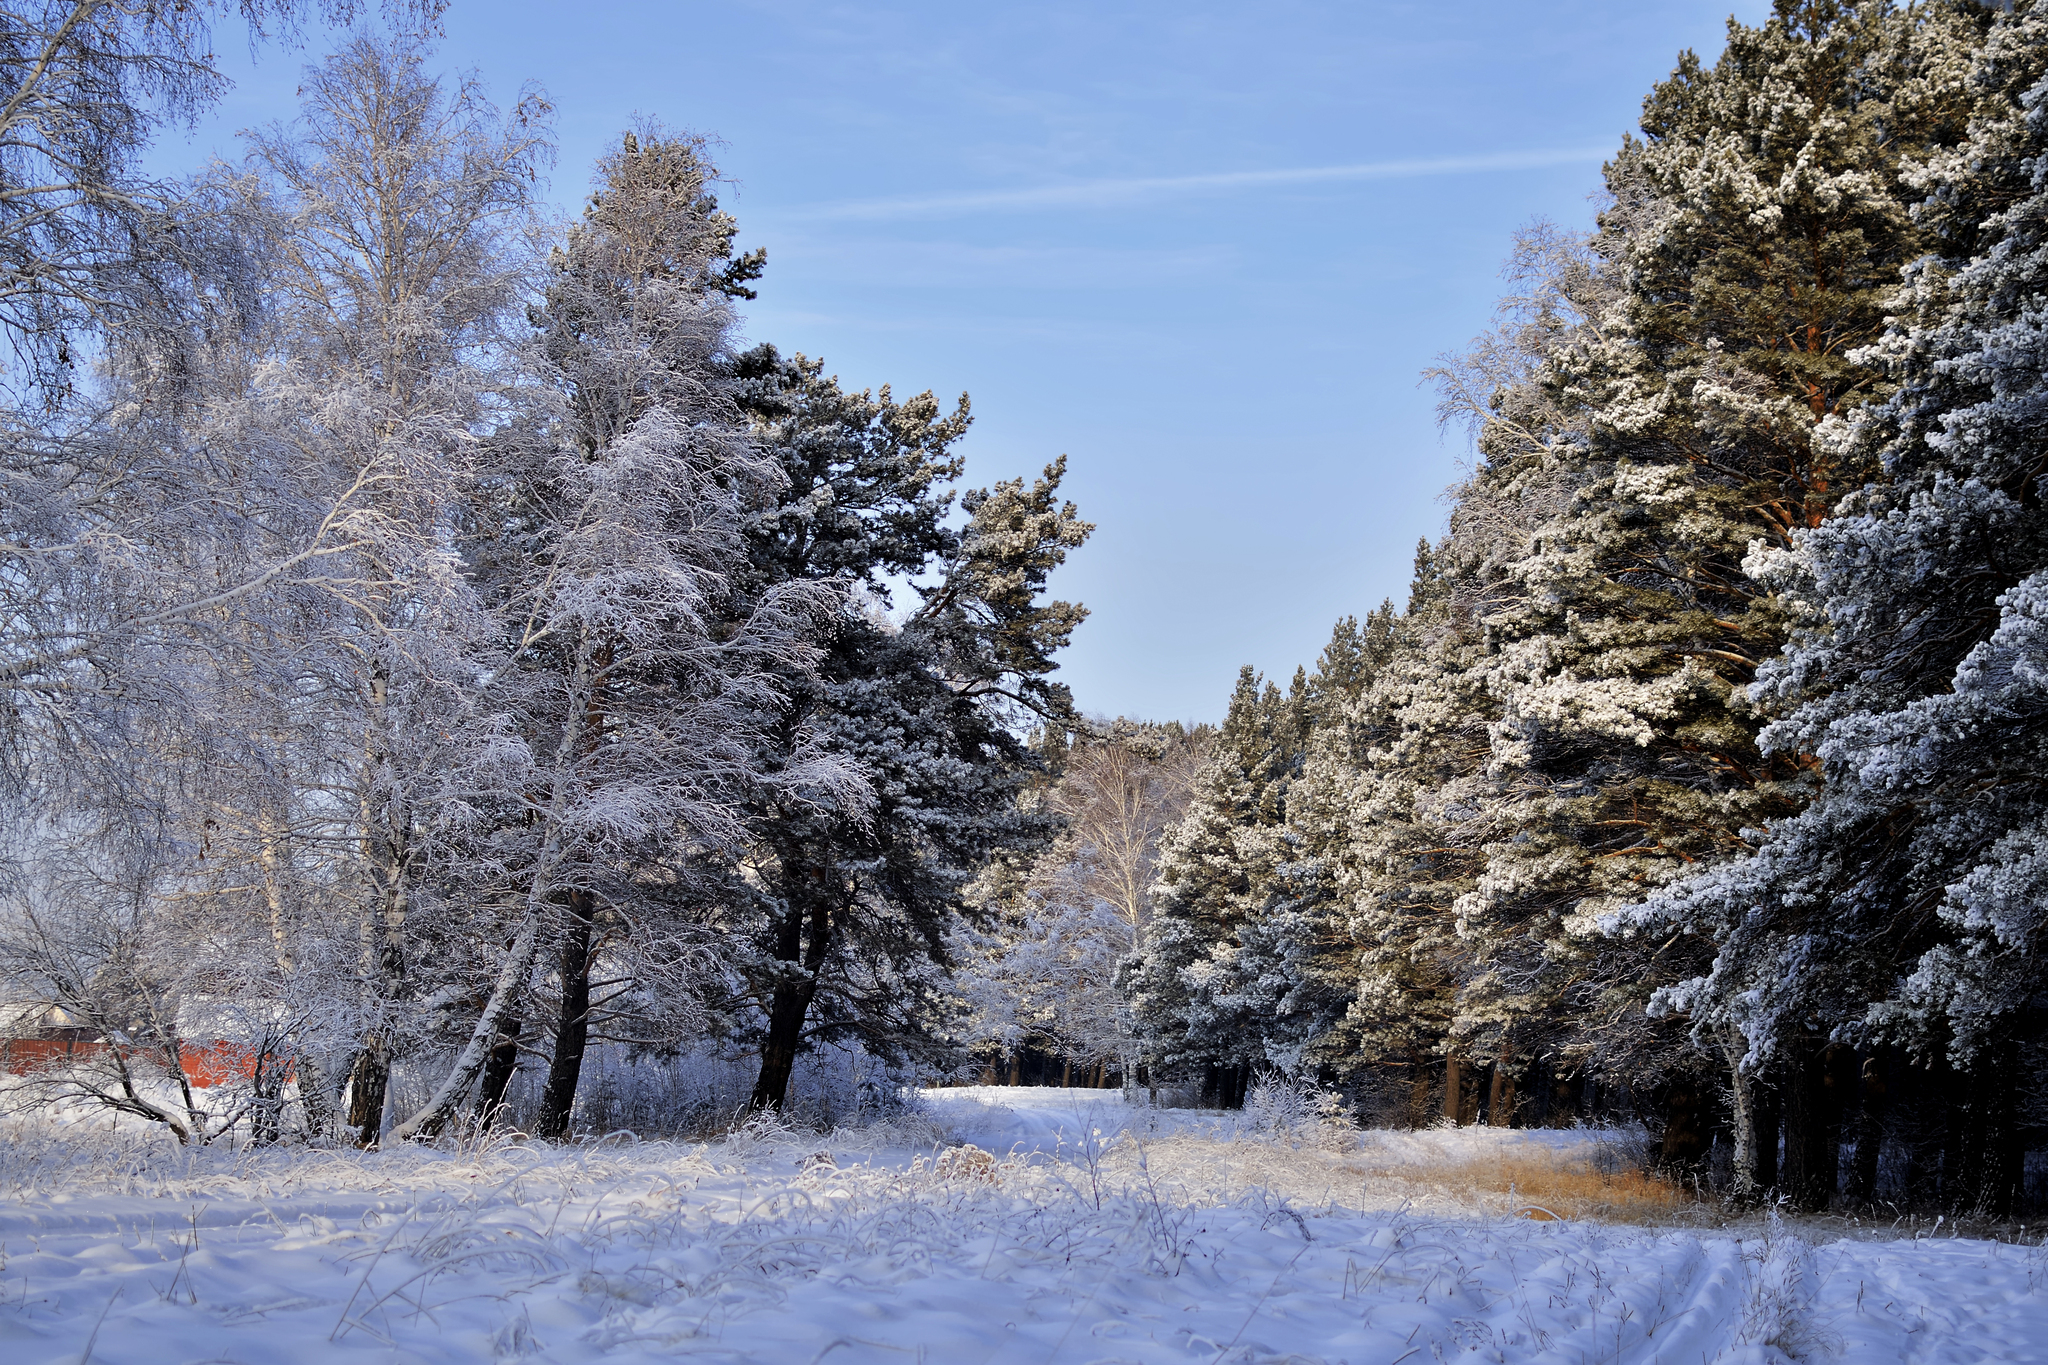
{"points": [[1599, 1176]]}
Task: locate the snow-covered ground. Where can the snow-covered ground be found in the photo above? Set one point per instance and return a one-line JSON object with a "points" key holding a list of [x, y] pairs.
{"points": [[1088, 1233]]}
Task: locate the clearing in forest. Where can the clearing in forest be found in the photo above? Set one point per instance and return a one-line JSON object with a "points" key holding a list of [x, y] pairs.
{"points": [[995, 1225]]}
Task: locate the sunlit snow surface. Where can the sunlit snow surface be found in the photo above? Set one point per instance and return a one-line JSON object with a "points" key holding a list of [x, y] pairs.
{"points": [[1099, 1234]]}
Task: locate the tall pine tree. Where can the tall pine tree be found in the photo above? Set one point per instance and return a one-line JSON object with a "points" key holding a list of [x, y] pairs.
{"points": [[1904, 906]]}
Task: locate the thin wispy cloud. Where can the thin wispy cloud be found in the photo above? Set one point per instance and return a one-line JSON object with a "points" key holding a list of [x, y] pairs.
{"points": [[1108, 193]]}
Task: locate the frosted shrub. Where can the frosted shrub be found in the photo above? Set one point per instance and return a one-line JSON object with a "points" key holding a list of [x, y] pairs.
{"points": [[1781, 1280], [705, 1091], [1298, 1112], [760, 1131]]}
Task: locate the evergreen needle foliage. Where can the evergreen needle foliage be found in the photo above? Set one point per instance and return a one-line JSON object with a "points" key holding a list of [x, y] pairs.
{"points": [[1699, 771]]}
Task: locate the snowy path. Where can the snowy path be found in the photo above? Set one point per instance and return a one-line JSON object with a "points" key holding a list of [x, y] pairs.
{"points": [[746, 1253]]}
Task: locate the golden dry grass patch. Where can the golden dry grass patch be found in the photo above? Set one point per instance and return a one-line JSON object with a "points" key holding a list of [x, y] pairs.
{"points": [[1542, 1185]]}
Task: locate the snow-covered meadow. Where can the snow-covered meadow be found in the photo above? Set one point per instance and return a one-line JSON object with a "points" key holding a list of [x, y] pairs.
{"points": [[1073, 1230]]}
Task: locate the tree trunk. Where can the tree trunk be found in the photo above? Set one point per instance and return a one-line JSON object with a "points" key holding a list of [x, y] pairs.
{"points": [[498, 1071], [1747, 1180], [1500, 1098], [1839, 1081], [1066, 1073], [572, 1027], [1926, 1113], [385, 858], [1816, 1080], [2005, 1152], [1683, 1147], [369, 1081], [786, 1011], [1502, 1085], [1767, 1133], [1568, 1099], [266, 1093], [1454, 1089], [1872, 1102], [314, 1094], [1743, 1185], [1805, 1127], [1961, 1147], [469, 1063], [1743, 1099], [791, 1000], [1981, 1175]]}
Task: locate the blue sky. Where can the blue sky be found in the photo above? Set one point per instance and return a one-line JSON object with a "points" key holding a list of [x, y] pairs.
{"points": [[1204, 250]]}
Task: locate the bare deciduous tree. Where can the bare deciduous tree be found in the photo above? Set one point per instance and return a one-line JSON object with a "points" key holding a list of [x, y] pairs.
{"points": [[1048, 969]]}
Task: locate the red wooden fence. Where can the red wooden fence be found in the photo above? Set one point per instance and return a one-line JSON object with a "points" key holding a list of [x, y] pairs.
{"points": [[215, 1064]]}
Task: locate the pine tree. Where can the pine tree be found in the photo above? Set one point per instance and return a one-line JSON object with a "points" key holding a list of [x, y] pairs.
{"points": [[1292, 974], [847, 913], [1413, 842], [1754, 235], [1429, 802], [1217, 870], [614, 552], [1903, 906]]}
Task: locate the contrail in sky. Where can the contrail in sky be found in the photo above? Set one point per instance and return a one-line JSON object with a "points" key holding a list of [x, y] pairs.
{"points": [[1094, 192]]}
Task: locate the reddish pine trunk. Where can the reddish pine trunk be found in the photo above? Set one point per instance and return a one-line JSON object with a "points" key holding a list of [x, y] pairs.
{"points": [[1683, 1148], [1461, 1092], [1500, 1098]]}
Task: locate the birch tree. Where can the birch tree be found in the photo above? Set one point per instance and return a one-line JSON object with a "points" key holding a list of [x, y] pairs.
{"points": [[89, 244], [1063, 924], [402, 211]]}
